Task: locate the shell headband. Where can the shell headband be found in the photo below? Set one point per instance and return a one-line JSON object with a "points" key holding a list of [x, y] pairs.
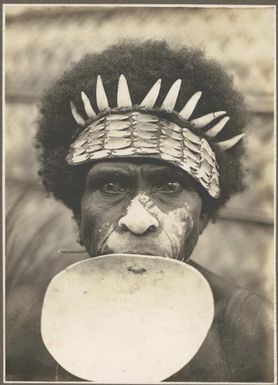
{"points": [[139, 130]]}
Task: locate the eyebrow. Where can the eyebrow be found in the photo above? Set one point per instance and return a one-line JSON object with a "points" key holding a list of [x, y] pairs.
{"points": [[107, 172], [167, 173], [156, 173]]}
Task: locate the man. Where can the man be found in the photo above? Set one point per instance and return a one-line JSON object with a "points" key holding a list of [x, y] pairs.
{"points": [[143, 143]]}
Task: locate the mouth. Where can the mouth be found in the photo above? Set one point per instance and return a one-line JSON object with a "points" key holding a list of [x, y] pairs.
{"points": [[144, 253], [159, 245], [130, 251]]}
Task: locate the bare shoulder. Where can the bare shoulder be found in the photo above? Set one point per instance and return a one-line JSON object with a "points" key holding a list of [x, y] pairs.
{"points": [[245, 324]]}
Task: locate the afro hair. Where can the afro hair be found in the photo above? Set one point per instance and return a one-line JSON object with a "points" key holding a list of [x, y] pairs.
{"points": [[142, 64]]}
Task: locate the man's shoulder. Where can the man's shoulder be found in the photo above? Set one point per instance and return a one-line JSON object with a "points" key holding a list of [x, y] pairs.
{"points": [[222, 289], [244, 323], [231, 297], [237, 306]]}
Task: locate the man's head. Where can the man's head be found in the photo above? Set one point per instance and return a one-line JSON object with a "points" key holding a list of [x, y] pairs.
{"points": [[170, 221], [140, 207]]}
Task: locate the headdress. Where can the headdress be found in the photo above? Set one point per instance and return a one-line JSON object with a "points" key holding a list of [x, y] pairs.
{"points": [[144, 130]]}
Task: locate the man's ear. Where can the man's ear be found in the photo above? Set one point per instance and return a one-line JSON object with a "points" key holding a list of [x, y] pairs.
{"points": [[204, 220]]}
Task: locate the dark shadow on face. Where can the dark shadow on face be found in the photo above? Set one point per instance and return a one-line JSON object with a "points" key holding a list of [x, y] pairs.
{"points": [[140, 207]]}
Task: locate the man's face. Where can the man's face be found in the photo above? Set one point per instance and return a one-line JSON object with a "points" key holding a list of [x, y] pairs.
{"points": [[140, 208]]}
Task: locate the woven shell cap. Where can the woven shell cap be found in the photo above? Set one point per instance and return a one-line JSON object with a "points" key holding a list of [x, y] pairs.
{"points": [[139, 134], [128, 130]]}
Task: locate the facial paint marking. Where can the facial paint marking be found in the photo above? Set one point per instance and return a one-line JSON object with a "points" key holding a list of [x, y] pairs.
{"points": [[177, 223]]}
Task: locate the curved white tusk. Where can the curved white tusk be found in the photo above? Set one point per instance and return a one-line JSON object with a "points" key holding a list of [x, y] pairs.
{"points": [[101, 97], [123, 96], [152, 95], [206, 119], [229, 143], [171, 98], [78, 118], [87, 105], [213, 131], [189, 108]]}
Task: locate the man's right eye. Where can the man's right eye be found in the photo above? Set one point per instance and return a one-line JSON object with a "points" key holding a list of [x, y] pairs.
{"points": [[113, 188]]}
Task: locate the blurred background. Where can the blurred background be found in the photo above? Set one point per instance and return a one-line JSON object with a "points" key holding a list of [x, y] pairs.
{"points": [[42, 41]]}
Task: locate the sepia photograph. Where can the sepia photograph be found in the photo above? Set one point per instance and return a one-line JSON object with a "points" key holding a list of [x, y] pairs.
{"points": [[138, 193]]}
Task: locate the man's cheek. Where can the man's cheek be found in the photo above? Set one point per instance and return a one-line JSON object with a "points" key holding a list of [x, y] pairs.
{"points": [[94, 229], [189, 242], [178, 225]]}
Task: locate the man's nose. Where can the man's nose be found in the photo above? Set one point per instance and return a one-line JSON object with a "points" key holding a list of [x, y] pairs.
{"points": [[138, 221]]}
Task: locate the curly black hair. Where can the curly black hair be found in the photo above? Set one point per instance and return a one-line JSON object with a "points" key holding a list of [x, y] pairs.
{"points": [[142, 64]]}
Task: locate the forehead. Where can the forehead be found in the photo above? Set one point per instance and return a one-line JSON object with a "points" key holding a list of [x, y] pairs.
{"points": [[134, 166]]}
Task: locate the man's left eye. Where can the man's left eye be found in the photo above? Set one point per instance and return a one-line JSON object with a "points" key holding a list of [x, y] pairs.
{"points": [[113, 188], [169, 187]]}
